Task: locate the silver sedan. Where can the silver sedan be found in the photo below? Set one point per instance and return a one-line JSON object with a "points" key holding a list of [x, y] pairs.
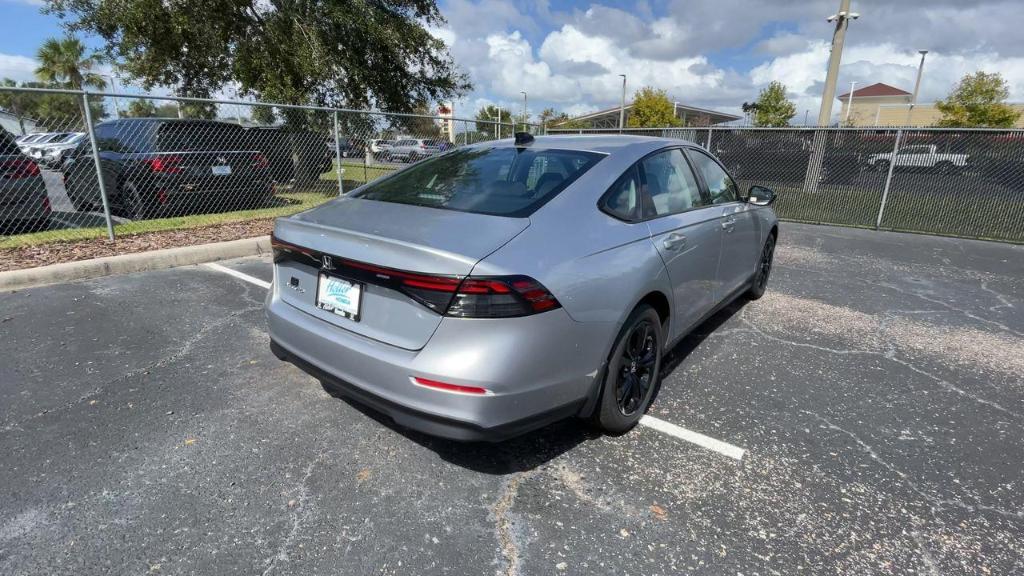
{"points": [[501, 286]]}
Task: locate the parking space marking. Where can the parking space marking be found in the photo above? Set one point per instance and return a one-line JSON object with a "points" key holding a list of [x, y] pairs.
{"points": [[724, 448], [734, 452], [239, 275]]}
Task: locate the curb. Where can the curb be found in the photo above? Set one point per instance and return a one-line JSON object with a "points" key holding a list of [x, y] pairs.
{"points": [[128, 263]]}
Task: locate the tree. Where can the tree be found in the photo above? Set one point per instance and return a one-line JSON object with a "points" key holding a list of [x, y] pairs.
{"points": [[978, 101], [143, 108], [264, 115], [56, 112], [652, 109], [772, 108], [486, 117], [319, 52], [64, 62]]}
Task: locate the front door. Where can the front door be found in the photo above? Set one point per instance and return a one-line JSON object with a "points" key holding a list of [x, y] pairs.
{"points": [[685, 230]]}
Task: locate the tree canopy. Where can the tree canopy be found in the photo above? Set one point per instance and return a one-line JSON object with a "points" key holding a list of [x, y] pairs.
{"points": [[652, 109], [488, 115], [319, 52], [64, 62], [978, 101], [48, 111], [772, 108]]}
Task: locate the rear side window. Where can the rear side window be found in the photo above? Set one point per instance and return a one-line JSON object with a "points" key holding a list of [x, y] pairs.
{"points": [[199, 137], [623, 199], [500, 181]]}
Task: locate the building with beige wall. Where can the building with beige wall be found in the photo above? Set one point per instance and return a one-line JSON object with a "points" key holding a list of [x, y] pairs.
{"points": [[884, 105]]}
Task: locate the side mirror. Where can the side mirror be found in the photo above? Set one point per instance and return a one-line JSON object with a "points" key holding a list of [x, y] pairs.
{"points": [[760, 196]]}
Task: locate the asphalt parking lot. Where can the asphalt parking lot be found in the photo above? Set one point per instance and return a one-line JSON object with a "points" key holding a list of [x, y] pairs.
{"points": [[877, 392]]}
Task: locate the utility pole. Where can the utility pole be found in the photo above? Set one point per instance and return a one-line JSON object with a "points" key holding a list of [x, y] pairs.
{"points": [[622, 105], [917, 86], [849, 102], [842, 22]]}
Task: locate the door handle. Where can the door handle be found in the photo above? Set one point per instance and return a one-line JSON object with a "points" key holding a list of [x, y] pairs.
{"points": [[674, 241], [728, 224]]}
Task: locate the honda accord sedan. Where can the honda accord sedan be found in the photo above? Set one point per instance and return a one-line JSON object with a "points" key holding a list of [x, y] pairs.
{"points": [[501, 286]]}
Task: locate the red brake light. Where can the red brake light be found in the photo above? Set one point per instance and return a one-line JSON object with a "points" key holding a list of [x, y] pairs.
{"points": [[448, 387], [165, 164], [19, 168], [259, 161]]}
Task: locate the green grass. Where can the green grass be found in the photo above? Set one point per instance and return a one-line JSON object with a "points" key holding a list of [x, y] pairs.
{"points": [[356, 173], [299, 201]]}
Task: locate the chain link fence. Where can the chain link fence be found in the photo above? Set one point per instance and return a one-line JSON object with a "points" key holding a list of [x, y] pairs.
{"points": [[86, 166], [106, 166], [965, 183]]}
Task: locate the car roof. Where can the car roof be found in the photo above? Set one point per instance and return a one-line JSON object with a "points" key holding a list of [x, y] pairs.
{"points": [[606, 143]]}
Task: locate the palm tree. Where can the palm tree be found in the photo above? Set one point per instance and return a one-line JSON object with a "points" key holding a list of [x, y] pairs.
{"points": [[64, 62]]}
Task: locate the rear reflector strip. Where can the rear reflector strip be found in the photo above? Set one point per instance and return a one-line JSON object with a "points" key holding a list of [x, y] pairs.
{"points": [[434, 384]]}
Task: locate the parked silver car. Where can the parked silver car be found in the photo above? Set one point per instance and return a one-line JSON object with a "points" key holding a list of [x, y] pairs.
{"points": [[504, 285], [24, 203], [413, 149]]}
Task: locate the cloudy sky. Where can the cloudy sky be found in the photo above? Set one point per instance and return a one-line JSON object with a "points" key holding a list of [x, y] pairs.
{"points": [[710, 53]]}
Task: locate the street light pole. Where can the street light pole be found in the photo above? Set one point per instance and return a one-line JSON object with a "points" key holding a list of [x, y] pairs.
{"points": [[524, 112], [917, 85], [849, 102], [622, 105], [113, 88]]}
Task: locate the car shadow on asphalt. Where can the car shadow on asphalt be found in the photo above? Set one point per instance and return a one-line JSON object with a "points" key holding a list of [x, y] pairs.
{"points": [[533, 449]]}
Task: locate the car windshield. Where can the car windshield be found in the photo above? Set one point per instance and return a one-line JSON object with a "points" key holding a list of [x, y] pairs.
{"points": [[499, 181]]}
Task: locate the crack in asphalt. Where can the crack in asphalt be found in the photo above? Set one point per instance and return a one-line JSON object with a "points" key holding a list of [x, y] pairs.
{"points": [[936, 501], [504, 529], [296, 517], [889, 354], [182, 351], [949, 306]]}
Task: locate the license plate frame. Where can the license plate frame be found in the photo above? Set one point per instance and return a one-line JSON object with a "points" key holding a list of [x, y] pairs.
{"points": [[335, 302]]}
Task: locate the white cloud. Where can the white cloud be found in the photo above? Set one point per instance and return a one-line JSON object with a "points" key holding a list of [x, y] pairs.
{"points": [[20, 68]]}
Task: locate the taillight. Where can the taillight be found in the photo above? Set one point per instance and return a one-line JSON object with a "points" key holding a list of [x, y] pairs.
{"points": [[19, 168], [493, 297], [281, 248], [259, 161], [164, 164], [46, 205]]}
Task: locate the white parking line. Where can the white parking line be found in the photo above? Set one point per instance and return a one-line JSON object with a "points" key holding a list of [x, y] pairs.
{"points": [[697, 438], [658, 424], [239, 275]]}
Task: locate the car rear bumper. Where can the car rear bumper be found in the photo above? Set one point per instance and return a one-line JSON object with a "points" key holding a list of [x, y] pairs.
{"points": [[537, 369]]}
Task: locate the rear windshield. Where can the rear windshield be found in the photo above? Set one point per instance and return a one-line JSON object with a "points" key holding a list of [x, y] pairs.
{"points": [[7, 143], [199, 137], [500, 181]]}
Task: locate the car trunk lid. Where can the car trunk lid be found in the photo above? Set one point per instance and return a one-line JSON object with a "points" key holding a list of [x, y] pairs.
{"points": [[372, 243]]}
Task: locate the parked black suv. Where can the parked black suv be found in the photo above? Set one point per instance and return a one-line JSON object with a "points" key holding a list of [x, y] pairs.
{"points": [[156, 167]]}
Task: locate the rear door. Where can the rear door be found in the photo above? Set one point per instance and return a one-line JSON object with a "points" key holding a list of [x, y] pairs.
{"points": [[740, 235], [685, 232]]}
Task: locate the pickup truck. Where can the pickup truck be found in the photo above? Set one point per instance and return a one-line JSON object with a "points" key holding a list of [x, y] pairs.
{"points": [[921, 156]]}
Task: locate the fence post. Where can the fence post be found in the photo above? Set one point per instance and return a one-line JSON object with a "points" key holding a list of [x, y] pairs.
{"points": [[98, 165], [337, 156], [707, 146], [888, 177]]}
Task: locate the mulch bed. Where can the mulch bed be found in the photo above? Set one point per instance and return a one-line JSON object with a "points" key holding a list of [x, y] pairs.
{"points": [[53, 253]]}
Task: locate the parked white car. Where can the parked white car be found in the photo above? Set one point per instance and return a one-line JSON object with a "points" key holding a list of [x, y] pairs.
{"points": [[924, 156], [53, 153]]}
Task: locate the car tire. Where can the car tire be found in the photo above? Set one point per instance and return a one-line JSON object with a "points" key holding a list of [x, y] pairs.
{"points": [[134, 205], [759, 282], [634, 370]]}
